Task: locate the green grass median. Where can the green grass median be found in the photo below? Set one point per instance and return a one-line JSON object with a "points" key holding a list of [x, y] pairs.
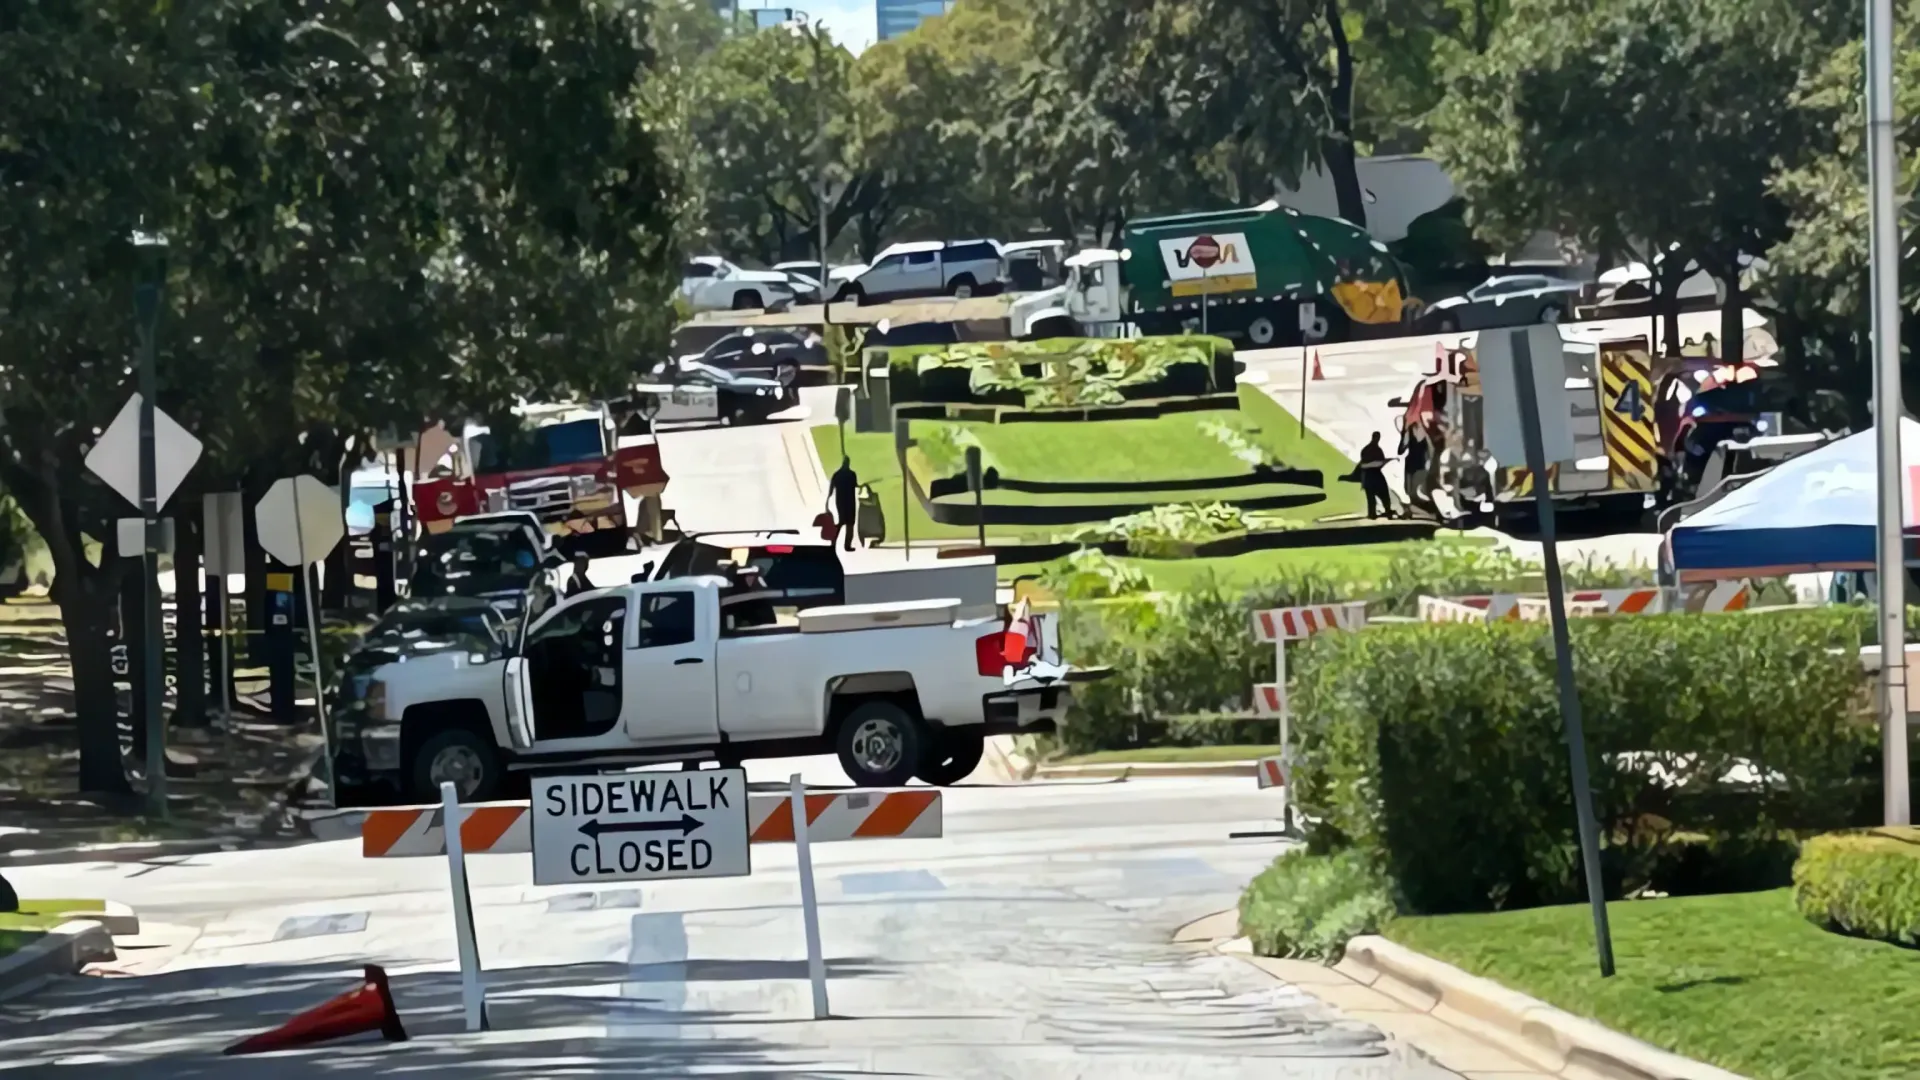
{"points": [[1740, 981], [36, 917]]}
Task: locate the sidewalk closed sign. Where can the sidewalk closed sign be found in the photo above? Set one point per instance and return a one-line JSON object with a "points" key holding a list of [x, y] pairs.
{"points": [[646, 826]]}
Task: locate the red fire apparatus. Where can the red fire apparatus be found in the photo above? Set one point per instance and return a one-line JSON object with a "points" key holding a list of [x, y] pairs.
{"points": [[562, 463]]}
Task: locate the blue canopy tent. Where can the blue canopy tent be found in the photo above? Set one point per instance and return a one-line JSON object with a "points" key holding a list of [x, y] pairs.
{"points": [[1817, 512]]}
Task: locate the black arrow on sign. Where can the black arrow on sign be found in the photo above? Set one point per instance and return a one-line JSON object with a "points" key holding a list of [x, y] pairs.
{"points": [[686, 824]]}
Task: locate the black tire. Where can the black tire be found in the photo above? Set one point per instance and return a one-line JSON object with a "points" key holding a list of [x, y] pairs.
{"points": [[1449, 325], [952, 756], [1552, 313], [963, 287], [870, 766], [748, 300], [1261, 331], [487, 781], [854, 293]]}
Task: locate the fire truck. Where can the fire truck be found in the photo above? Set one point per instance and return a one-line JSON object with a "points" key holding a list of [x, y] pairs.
{"points": [[562, 463], [1641, 427]]}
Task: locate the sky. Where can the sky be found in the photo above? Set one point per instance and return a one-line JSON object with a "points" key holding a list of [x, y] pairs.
{"points": [[851, 22]]}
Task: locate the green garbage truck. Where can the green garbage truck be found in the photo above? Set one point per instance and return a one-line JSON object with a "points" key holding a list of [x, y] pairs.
{"points": [[1241, 274]]}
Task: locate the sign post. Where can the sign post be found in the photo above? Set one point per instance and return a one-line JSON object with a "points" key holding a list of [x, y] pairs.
{"points": [[299, 522], [976, 480], [1309, 322], [144, 455], [1531, 416], [1204, 252]]}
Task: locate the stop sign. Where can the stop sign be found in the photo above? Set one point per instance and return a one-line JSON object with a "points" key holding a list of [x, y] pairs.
{"points": [[1203, 252]]}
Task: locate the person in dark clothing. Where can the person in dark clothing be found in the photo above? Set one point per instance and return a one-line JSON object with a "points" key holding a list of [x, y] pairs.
{"points": [[578, 583], [845, 488], [1373, 479], [1413, 453]]}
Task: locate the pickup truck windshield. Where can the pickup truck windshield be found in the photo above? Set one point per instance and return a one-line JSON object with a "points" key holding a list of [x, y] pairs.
{"points": [[465, 562], [540, 448]]}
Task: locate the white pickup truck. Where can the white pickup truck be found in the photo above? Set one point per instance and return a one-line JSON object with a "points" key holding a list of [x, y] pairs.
{"points": [[682, 670]]}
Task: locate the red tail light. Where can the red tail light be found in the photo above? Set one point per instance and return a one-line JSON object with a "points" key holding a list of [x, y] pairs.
{"points": [[989, 653], [779, 549]]}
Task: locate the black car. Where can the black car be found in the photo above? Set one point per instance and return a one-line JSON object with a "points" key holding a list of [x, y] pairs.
{"points": [[408, 630], [803, 570], [498, 562], [778, 355], [698, 392]]}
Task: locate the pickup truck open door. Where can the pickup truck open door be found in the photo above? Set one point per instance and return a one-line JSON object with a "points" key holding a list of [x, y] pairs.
{"points": [[519, 699]]}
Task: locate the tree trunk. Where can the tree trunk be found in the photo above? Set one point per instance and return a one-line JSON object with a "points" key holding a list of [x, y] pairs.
{"points": [[89, 610], [1337, 151], [190, 655]]}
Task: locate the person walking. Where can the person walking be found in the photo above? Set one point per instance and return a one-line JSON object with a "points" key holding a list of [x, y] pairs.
{"points": [[844, 486], [1373, 479], [1415, 454]]}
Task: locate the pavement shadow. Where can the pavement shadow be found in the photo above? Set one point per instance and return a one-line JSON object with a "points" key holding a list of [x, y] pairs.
{"points": [[173, 1026]]}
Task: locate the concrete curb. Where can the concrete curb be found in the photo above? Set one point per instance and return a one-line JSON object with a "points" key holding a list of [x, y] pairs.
{"points": [[63, 950], [129, 852], [1552, 1040], [1159, 769]]}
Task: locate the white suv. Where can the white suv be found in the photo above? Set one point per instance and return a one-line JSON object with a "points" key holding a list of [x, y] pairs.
{"points": [[711, 283], [958, 268]]}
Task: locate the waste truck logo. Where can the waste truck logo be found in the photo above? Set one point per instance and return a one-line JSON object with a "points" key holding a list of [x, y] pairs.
{"points": [[1210, 263]]}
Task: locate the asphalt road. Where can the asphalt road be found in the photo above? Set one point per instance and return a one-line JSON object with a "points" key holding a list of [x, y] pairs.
{"points": [[1033, 941]]}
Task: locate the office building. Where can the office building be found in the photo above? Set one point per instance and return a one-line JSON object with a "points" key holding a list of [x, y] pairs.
{"points": [[896, 17]]}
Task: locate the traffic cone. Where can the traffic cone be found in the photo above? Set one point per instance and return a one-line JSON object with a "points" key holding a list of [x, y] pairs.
{"points": [[1019, 629], [367, 1007], [1318, 376]]}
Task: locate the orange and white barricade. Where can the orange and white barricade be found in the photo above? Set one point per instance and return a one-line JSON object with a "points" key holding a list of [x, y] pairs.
{"points": [[1640, 600], [1436, 609], [799, 817], [1279, 626]]}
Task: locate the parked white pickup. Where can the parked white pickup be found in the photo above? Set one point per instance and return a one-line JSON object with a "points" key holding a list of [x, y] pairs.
{"points": [[685, 670]]}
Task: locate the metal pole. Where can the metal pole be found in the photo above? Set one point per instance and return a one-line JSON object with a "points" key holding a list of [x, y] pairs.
{"points": [[1303, 391], [1890, 563], [1286, 733], [820, 182], [809, 901], [1562, 649], [1204, 275], [313, 643], [147, 317]]}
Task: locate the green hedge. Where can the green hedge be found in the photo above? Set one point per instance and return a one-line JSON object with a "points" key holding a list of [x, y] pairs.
{"points": [[1438, 747], [1865, 883], [1060, 372]]}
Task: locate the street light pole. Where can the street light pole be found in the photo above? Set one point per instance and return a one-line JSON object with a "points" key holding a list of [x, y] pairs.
{"points": [[1891, 562], [146, 307]]}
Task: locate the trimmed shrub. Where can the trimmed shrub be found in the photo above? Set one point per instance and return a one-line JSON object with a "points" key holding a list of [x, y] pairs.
{"points": [[1061, 371], [1307, 905], [1863, 883], [1438, 747]]}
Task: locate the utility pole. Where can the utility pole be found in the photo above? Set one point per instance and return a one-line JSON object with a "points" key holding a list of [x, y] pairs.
{"points": [[146, 307], [1891, 563]]}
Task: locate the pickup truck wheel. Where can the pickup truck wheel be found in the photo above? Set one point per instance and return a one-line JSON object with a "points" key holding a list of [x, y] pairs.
{"points": [[459, 755], [747, 300], [952, 757], [880, 745]]}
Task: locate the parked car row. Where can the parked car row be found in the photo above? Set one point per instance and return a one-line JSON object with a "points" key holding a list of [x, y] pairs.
{"points": [[921, 268]]}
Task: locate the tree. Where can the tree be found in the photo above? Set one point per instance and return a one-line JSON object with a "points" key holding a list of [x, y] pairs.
{"points": [[761, 106], [378, 216], [1404, 52], [1650, 126], [1816, 286]]}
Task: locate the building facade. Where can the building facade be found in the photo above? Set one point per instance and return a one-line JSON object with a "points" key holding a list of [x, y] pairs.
{"points": [[896, 17]]}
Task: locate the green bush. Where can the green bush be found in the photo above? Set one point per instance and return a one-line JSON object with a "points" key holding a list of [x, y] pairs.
{"points": [[1307, 905], [1060, 372], [1438, 747], [1694, 865], [1173, 655], [1865, 883]]}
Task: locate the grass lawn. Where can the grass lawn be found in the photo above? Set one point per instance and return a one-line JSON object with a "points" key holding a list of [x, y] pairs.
{"points": [[1741, 981], [1163, 754], [17, 928], [1176, 446]]}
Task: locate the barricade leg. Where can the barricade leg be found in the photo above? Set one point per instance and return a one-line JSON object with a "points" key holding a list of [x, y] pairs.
{"points": [[809, 900], [473, 1001]]}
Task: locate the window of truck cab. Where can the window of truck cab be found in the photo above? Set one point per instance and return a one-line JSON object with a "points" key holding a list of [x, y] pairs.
{"points": [[540, 448]]}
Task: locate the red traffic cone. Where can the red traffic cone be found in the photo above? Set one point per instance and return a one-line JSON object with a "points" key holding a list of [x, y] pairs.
{"points": [[1317, 374], [1019, 628], [367, 1007]]}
